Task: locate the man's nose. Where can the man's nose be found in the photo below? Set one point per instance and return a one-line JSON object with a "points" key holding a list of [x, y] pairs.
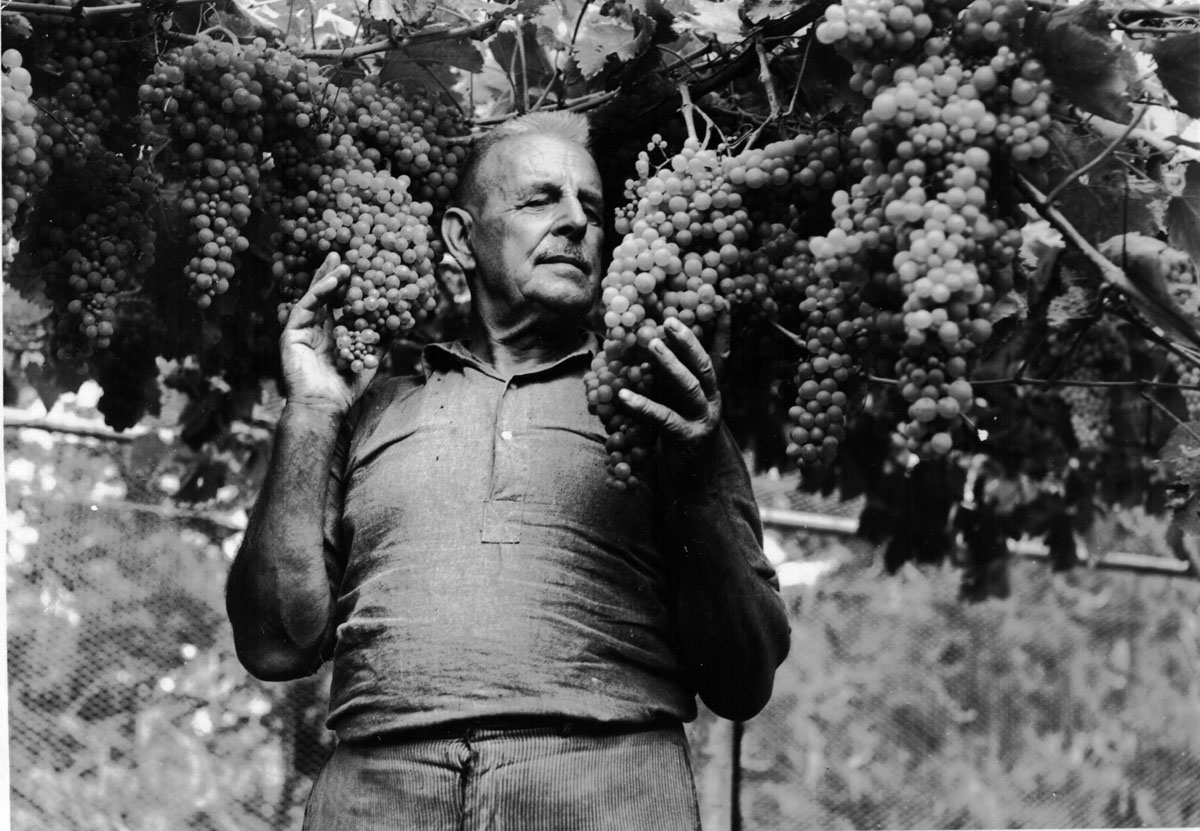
{"points": [[572, 219]]}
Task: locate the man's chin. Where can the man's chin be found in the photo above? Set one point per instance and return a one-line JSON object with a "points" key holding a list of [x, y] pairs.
{"points": [[574, 305]]}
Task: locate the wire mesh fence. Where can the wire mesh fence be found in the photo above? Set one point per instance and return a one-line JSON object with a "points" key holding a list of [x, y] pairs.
{"points": [[1074, 703]]}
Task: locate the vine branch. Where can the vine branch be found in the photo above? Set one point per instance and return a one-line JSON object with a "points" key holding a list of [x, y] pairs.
{"points": [[1136, 385], [766, 78], [86, 12], [475, 31], [1091, 165]]}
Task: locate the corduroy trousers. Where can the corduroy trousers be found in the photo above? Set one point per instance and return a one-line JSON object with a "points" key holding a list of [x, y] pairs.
{"points": [[554, 777]]}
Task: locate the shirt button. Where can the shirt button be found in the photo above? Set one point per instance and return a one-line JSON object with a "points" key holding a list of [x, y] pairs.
{"points": [[506, 435]]}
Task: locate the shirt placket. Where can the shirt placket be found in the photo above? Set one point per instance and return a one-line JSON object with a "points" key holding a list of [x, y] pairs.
{"points": [[504, 507]]}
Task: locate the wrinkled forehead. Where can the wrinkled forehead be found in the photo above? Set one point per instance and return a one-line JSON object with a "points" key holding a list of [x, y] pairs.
{"points": [[522, 162]]}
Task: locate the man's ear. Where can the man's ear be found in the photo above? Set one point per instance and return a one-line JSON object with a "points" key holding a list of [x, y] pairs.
{"points": [[456, 233]]}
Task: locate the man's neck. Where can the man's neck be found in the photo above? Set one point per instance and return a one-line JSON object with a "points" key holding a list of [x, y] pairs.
{"points": [[518, 350]]}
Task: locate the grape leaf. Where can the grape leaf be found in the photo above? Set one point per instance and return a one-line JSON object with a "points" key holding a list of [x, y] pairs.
{"points": [[1178, 60], [49, 379], [716, 18], [410, 13], [479, 9], [1087, 66], [624, 34], [1181, 460], [1183, 215], [608, 37], [417, 66], [338, 25], [21, 311], [1078, 302], [759, 10], [17, 26]]}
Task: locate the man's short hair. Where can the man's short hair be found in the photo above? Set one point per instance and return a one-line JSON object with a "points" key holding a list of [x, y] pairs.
{"points": [[562, 124]]}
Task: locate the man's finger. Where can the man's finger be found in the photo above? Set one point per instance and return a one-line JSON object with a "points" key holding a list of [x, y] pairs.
{"points": [[722, 338], [658, 414], [313, 301], [678, 382], [692, 355]]}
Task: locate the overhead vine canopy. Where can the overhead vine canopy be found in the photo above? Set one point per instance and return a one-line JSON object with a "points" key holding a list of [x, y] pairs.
{"points": [[946, 249]]}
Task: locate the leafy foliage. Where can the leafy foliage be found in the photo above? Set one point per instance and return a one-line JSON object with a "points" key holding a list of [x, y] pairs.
{"points": [[1078, 355], [1071, 704]]}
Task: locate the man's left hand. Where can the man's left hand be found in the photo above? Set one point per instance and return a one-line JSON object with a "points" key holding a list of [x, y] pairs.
{"points": [[687, 402]]}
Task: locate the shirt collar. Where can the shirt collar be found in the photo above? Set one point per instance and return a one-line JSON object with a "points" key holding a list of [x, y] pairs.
{"points": [[439, 357]]}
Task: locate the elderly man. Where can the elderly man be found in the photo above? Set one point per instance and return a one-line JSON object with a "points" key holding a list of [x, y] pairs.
{"points": [[515, 644]]}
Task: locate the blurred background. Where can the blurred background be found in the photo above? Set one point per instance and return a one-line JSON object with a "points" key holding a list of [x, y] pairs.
{"points": [[1073, 702]]}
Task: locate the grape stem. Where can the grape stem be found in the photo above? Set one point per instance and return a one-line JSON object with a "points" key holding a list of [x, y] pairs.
{"points": [[89, 11], [1161, 408], [1111, 273], [688, 111], [1104, 154], [799, 77], [790, 335], [475, 31], [766, 78], [1163, 144], [579, 21], [1159, 337]]}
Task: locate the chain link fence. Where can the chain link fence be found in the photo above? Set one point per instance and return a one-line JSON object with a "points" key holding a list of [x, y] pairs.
{"points": [[1075, 703]]}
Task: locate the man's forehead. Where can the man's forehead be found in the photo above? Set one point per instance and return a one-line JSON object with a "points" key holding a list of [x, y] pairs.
{"points": [[524, 161]]}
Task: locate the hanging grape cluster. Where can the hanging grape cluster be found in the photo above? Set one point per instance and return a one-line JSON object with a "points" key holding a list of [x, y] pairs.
{"points": [[91, 244], [413, 136], [369, 218], [357, 170], [210, 101], [946, 108], [24, 172], [88, 237], [697, 240]]}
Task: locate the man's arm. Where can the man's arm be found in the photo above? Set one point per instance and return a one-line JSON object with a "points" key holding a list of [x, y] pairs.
{"points": [[279, 597], [733, 626]]}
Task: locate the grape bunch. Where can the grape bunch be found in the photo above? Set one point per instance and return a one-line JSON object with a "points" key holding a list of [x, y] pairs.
{"points": [[822, 309], [84, 107], [876, 26], [1089, 407], [371, 220], [918, 232], [211, 98], [986, 24], [91, 244], [24, 170], [413, 136], [1098, 353], [690, 250]]}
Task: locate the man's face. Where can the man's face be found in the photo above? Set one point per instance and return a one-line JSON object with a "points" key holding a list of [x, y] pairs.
{"points": [[537, 228]]}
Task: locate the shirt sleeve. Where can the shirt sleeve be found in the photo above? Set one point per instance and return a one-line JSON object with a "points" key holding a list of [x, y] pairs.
{"points": [[710, 499]]}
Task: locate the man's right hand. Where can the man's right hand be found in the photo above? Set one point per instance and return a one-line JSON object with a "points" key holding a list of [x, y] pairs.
{"points": [[308, 350]]}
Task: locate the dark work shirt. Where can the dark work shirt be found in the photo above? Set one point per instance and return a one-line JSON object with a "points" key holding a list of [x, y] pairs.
{"points": [[486, 568]]}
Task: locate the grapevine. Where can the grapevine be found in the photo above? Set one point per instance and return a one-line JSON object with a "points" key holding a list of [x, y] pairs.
{"points": [[858, 211]]}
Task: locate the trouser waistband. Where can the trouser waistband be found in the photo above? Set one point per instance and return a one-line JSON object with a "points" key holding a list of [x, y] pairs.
{"points": [[532, 725]]}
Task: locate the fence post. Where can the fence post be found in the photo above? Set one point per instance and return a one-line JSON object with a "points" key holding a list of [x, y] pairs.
{"points": [[735, 776]]}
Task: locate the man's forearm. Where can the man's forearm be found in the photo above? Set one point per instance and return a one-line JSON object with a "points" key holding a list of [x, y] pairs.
{"points": [[733, 626], [278, 597]]}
